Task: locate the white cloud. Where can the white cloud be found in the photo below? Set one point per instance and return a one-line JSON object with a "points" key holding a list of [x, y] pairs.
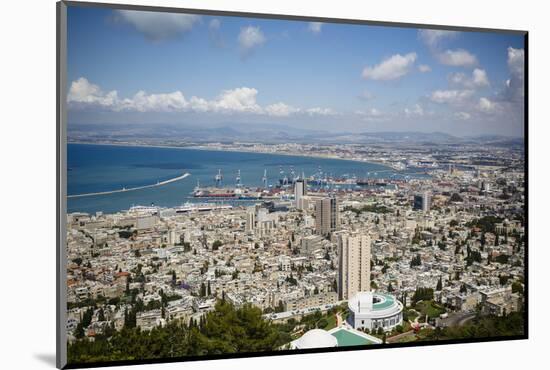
{"points": [[82, 92], [280, 110], [158, 26], [509, 102], [392, 68], [464, 116], [457, 58], [432, 38], [250, 38], [514, 88], [317, 111], [199, 104], [478, 79], [143, 102], [450, 96], [487, 106], [516, 61], [459, 79], [85, 95], [242, 99], [424, 68], [416, 110], [314, 27]]}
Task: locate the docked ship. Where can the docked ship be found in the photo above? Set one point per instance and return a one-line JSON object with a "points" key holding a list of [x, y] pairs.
{"points": [[201, 207], [152, 209], [238, 192], [371, 182], [226, 193], [212, 192]]}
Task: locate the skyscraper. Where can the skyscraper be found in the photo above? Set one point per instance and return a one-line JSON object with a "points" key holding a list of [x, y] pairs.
{"points": [[299, 192], [353, 264], [250, 219], [326, 215], [422, 201]]}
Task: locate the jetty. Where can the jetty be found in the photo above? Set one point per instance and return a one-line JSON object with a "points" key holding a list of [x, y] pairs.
{"points": [[124, 190]]}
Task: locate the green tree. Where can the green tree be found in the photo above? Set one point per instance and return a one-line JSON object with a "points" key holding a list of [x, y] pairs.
{"points": [[174, 278], [422, 294], [323, 323], [79, 331], [101, 315], [517, 287], [416, 261], [216, 245]]}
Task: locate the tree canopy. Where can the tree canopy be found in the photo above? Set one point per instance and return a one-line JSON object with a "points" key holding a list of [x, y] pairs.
{"points": [[226, 329]]}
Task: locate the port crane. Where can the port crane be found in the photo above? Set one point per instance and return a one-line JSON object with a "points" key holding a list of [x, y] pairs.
{"points": [[219, 178], [238, 179]]}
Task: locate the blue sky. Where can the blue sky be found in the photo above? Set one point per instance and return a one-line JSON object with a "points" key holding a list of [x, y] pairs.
{"points": [[130, 66]]}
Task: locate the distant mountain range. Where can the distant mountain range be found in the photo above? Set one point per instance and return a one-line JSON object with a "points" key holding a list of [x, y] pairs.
{"points": [[263, 133]]}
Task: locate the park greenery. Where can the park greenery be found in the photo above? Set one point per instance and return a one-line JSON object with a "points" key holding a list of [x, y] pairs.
{"points": [[374, 208], [430, 309], [422, 294], [485, 224], [229, 329], [224, 330], [480, 327]]}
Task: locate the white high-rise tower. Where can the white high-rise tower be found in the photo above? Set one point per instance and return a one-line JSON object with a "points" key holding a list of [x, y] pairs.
{"points": [[353, 265]]}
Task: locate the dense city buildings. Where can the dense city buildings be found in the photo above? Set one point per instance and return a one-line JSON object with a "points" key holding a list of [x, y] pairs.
{"points": [[361, 260]]}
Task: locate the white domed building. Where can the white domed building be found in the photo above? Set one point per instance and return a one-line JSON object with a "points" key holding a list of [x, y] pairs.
{"points": [[342, 336], [371, 311], [316, 338]]}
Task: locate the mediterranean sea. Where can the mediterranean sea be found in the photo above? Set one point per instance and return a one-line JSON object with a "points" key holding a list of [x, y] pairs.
{"points": [[100, 168]]}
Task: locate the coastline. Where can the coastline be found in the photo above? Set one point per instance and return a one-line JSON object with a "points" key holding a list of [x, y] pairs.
{"points": [[195, 147]]}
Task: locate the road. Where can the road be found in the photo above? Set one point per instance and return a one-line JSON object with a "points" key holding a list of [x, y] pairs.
{"points": [[338, 319], [457, 319], [397, 337]]}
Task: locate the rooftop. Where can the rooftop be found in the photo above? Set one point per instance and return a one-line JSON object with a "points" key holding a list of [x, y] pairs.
{"points": [[369, 302], [386, 301], [316, 338]]}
